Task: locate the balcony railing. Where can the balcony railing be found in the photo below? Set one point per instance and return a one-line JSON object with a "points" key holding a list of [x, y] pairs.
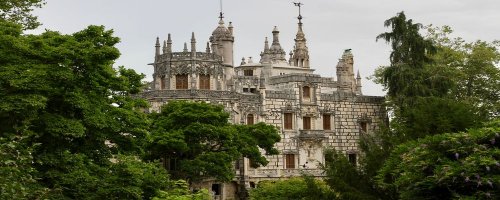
{"points": [[270, 173], [312, 134]]}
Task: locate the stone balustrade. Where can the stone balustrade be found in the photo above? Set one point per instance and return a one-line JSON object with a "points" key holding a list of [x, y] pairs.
{"points": [[276, 173]]}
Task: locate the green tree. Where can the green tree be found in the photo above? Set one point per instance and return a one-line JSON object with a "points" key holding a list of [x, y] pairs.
{"points": [[82, 131], [473, 67], [406, 77], [19, 11], [447, 166], [298, 188], [179, 190], [197, 140], [346, 179]]}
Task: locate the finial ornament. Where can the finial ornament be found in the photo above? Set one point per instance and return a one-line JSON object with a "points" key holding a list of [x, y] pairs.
{"points": [[221, 14], [298, 4]]}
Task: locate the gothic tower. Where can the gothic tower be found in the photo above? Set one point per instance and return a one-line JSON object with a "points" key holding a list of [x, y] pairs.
{"points": [[222, 41]]}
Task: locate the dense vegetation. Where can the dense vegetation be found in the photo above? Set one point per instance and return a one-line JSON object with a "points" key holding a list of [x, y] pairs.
{"points": [[442, 141], [71, 129]]}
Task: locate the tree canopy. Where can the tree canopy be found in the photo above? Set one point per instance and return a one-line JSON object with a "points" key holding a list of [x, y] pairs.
{"points": [[198, 140], [19, 11], [452, 165]]}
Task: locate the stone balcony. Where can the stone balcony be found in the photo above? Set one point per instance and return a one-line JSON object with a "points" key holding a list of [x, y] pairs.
{"points": [[277, 173], [198, 94], [312, 135]]}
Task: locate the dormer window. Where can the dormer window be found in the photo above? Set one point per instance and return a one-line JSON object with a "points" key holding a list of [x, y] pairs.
{"points": [[248, 72]]}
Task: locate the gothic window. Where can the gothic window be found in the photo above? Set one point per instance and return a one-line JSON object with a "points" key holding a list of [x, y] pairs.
{"points": [[204, 82], [306, 92], [363, 127], [162, 83], [352, 158], [248, 72], [327, 122], [181, 81], [288, 120], [249, 119], [290, 161], [306, 123]]}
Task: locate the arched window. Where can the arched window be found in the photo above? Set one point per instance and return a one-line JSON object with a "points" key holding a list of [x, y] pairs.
{"points": [[306, 92], [250, 119]]}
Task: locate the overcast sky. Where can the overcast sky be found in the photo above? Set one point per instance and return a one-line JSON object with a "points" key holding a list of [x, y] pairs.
{"points": [[330, 26]]}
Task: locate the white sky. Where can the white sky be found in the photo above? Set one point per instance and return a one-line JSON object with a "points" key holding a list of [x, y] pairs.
{"points": [[330, 26]]}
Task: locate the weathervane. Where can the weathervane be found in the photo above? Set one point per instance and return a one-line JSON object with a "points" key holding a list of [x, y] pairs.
{"points": [[299, 5], [221, 15]]}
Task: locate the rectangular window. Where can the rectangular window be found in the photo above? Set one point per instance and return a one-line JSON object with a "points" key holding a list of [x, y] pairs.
{"points": [[306, 123], [249, 119], [288, 120], [162, 83], [306, 92], [253, 90], [245, 89], [204, 82], [216, 189], [327, 122], [352, 158], [363, 127], [181, 81], [289, 161], [248, 72]]}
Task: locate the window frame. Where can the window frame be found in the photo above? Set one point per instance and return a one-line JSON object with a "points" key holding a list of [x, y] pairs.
{"points": [[250, 118], [181, 81], [290, 161], [327, 122], [204, 82], [287, 121], [306, 123]]}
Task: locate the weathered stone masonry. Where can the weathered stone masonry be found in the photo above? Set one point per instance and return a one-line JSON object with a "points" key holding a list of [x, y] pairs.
{"points": [[311, 112]]}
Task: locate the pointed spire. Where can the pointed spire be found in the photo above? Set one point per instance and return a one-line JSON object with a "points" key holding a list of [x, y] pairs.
{"points": [[277, 53], [358, 84], [208, 48], [169, 44], [193, 43], [164, 46], [185, 47], [276, 33], [301, 52], [157, 46], [266, 45]]}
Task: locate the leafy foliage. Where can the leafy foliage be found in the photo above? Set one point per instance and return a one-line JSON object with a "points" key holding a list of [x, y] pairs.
{"points": [[18, 11], [81, 131], [201, 141], [473, 67], [452, 165], [344, 178], [179, 190], [299, 188]]}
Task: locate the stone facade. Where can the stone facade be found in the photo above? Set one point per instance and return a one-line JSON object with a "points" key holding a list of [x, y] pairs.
{"points": [[311, 112]]}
